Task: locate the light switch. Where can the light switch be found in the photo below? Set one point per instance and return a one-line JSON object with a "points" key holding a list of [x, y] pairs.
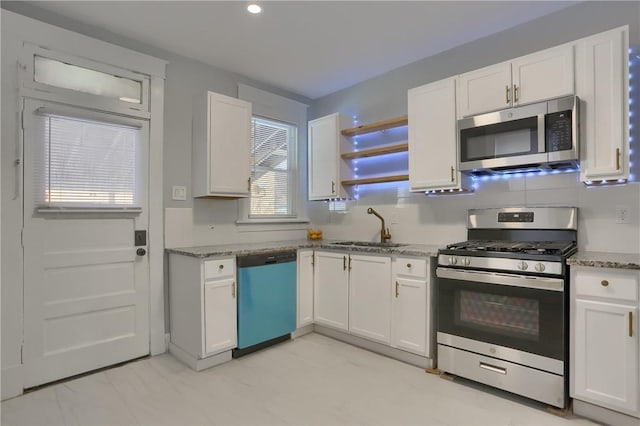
{"points": [[179, 193]]}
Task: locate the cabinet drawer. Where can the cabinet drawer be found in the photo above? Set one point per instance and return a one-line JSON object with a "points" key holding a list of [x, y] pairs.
{"points": [[610, 283], [219, 268], [411, 267]]}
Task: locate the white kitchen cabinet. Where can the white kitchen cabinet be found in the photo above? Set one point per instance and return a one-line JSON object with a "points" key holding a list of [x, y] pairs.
{"points": [[604, 356], [331, 290], [220, 327], [203, 309], [369, 301], [305, 288], [221, 161], [410, 320], [602, 84], [532, 78], [433, 140], [325, 145]]}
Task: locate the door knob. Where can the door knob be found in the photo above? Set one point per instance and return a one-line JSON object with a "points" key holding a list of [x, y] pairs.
{"points": [[141, 252]]}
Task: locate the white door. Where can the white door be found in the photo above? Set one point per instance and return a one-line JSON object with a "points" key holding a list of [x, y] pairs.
{"points": [[370, 297], [606, 354], [86, 291], [433, 158], [409, 320], [305, 288], [543, 75], [220, 316], [603, 86], [323, 158], [331, 290], [229, 145], [484, 90]]}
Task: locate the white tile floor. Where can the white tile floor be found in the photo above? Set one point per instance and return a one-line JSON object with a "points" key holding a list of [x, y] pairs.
{"points": [[311, 380]]}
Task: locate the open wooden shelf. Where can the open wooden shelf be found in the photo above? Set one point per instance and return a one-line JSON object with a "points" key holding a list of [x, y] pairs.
{"points": [[376, 151], [377, 126], [379, 179]]}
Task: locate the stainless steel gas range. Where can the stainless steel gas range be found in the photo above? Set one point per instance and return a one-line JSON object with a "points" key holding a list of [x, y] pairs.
{"points": [[503, 301]]}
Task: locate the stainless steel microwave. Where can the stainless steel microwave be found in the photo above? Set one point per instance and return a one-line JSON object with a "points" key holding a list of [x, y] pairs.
{"points": [[532, 137]]}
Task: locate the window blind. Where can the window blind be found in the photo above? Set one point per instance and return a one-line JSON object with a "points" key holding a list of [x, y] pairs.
{"points": [[272, 151], [88, 164]]}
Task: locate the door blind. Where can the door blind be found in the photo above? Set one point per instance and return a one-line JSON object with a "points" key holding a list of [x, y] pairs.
{"points": [[87, 164], [272, 151]]}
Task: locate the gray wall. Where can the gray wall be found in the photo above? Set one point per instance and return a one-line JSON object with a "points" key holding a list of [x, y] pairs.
{"points": [[385, 96], [420, 219]]}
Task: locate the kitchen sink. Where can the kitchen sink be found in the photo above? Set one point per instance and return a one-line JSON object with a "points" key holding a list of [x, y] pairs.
{"points": [[367, 244]]}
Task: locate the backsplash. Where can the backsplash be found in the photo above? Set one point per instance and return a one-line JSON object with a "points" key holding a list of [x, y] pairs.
{"points": [[417, 218]]}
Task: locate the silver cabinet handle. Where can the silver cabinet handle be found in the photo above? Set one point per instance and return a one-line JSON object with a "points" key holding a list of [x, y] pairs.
{"points": [[506, 93], [344, 263], [515, 93], [630, 324], [333, 187], [397, 290], [233, 289]]}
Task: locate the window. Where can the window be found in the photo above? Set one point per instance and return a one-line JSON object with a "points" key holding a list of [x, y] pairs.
{"points": [[67, 76], [88, 164], [273, 152]]}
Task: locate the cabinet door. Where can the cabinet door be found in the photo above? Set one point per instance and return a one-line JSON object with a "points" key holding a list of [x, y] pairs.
{"points": [[433, 159], [324, 157], [605, 355], [370, 297], [220, 330], [409, 315], [229, 146], [484, 90], [331, 290], [603, 86], [543, 75], [305, 288]]}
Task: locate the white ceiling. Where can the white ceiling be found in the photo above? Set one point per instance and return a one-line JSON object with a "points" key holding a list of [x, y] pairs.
{"points": [[311, 48]]}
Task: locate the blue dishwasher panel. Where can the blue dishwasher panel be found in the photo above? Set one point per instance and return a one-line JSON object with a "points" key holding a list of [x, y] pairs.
{"points": [[266, 302]]}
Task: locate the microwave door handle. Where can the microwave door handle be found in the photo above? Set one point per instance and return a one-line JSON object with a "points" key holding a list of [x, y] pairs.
{"points": [[541, 133]]}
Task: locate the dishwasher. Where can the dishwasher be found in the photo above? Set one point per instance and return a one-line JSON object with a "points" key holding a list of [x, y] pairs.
{"points": [[266, 300]]}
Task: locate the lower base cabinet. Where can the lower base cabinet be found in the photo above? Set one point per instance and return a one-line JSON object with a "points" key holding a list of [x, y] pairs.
{"points": [[376, 298], [410, 306], [605, 346], [202, 304]]}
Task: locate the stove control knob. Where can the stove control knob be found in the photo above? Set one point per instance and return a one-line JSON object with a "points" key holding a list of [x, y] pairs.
{"points": [[523, 266], [540, 267], [466, 261], [453, 260]]}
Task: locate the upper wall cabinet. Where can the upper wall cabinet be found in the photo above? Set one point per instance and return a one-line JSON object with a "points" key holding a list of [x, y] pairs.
{"points": [[221, 163], [326, 143], [433, 148], [602, 84], [532, 78]]}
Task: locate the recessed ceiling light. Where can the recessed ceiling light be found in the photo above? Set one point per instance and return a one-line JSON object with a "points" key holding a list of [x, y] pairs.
{"points": [[254, 8]]}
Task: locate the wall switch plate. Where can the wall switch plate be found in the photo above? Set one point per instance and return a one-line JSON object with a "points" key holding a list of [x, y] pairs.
{"points": [[622, 214], [179, 193]]}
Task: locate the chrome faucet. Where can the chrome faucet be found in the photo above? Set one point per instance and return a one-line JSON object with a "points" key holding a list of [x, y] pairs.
{"points": [[384, 232]]}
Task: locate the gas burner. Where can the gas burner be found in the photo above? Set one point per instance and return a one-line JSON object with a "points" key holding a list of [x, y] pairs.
{"points": [[526, 247]]}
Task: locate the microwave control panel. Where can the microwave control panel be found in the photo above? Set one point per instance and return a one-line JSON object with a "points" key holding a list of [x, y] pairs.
{"points": [[558, 131]]}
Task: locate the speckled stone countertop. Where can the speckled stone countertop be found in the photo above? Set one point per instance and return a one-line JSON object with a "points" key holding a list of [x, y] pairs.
{"points": [[605, 260], [422, 250]]}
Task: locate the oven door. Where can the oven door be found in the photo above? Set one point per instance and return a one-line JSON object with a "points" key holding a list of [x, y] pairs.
{"points": [[525, 313]]}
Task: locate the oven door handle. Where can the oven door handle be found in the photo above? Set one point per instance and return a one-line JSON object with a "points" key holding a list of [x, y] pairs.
{"points": [[542, 283]]}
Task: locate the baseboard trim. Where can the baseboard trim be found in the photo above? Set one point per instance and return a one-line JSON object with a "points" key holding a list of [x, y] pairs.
{"points": [[199, 364], [603, 415], [302, 331], [400, 355], [12, 383]]}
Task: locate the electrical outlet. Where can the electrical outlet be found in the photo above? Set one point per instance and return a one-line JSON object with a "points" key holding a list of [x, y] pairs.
{"points": [[622, 214], [179, 193]]}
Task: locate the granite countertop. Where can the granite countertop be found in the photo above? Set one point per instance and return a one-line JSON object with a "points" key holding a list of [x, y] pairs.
{"points": [[605, 260], [422, 250]]}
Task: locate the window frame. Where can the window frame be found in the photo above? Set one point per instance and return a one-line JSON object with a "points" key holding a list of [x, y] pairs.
{"points": [[280, 109], [292, 174], [54, 93]]}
